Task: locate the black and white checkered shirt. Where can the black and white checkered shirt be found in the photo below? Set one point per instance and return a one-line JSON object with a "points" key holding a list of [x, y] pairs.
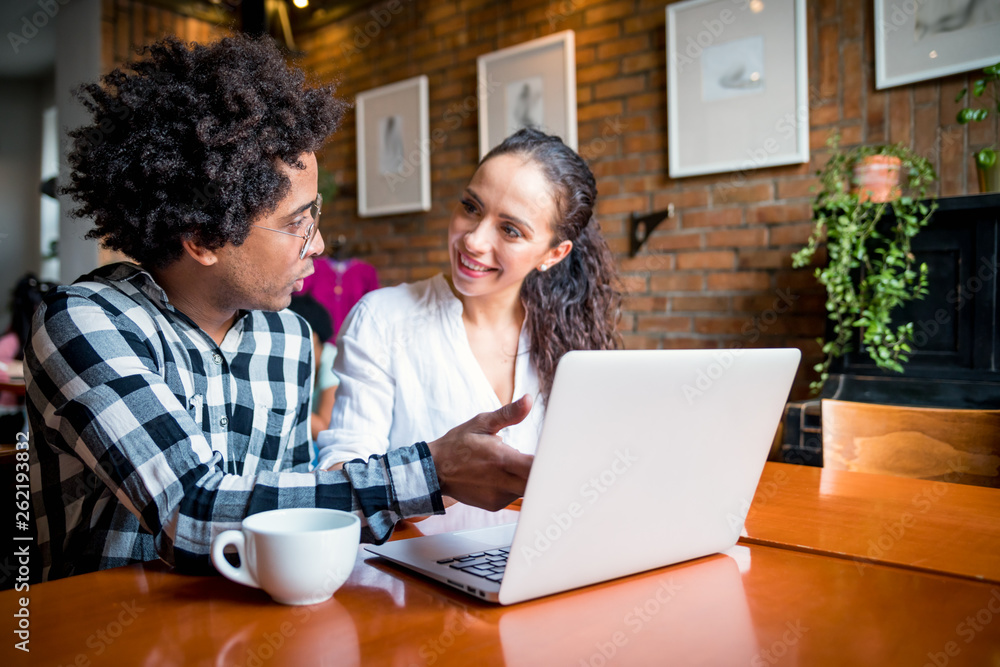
{"points": [[148, 438]]}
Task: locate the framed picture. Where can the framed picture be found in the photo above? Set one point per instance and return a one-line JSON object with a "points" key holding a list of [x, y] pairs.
{"points": [[737, 85], [394, 164], [922, 40], [531, 84]]}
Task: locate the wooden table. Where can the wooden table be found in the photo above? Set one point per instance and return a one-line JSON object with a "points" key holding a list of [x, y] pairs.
{"points": [[755, 605], [928, 526]]}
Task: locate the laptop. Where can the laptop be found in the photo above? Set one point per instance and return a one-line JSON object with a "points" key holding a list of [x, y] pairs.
{"points": [[646, 458]]}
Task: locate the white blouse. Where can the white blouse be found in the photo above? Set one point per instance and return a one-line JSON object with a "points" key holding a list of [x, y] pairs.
{"points": [[407, 374]]}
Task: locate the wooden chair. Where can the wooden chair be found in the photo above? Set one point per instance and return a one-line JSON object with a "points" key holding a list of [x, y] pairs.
{"points": [[925, 443]]}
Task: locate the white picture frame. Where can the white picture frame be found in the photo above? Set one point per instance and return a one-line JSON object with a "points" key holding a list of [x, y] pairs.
{"points": [[531, 82], [911, 44], [393, 144], [737, 85]]}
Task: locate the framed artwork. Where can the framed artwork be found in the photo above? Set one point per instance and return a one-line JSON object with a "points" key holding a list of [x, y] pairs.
{"points": [[737, 85], [915, 41], [394, 164], [531, 84]]}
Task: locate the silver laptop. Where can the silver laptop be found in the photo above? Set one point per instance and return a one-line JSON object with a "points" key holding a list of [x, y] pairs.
{"points": [[646, 458]]}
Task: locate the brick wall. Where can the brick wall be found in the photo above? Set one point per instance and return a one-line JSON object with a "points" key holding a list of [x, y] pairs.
{"points": [[716, 275]]}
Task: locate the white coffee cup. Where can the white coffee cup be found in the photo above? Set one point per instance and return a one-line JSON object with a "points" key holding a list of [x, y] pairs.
{"points": [[298, 556]]}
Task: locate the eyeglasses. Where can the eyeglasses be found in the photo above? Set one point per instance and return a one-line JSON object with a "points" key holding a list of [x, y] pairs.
{"points": [[307, 238]]}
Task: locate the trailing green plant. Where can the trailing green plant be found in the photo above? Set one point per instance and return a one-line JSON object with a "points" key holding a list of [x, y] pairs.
{"points": [[871, 270], [985, 157]]}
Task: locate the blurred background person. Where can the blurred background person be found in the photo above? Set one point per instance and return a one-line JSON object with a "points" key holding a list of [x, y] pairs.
{"points": [[25, 298]]}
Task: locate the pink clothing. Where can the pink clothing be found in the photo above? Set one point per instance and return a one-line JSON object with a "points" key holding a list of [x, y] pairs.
{"points": [[338, 285], [9, 347]]}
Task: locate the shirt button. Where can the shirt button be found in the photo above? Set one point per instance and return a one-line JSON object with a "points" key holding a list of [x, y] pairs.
{"points": [[217, 358], [223, 421]]}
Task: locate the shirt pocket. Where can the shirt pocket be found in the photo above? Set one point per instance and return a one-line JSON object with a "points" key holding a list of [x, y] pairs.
{"points": [[272, 431]]}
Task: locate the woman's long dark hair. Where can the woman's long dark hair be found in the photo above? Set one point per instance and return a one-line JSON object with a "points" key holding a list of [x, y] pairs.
{"points": [[575, 305]]}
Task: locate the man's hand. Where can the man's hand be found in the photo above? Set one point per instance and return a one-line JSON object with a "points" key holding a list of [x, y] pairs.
{"points": [[474, 465]]}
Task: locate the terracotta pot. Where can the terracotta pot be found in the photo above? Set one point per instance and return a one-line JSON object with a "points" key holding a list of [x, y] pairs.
{"points": [[989, 177], [876, 178]]}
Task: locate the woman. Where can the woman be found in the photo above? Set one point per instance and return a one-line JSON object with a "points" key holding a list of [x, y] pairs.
{"points": [[531, 279]]}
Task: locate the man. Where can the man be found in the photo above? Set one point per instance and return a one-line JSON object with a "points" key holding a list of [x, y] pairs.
{"points": [[167, 401]]}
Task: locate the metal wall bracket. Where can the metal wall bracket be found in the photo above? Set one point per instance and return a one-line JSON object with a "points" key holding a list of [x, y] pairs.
{"points": [[640, 227]]}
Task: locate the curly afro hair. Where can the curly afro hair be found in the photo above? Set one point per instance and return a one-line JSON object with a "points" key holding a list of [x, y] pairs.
{"points": [[185, 144]]}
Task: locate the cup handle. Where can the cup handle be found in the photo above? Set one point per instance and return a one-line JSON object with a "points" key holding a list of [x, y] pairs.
{"points": [[241, 574]]}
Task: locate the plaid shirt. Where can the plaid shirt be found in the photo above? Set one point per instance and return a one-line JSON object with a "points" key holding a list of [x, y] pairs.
{"points": [[148, 438]]}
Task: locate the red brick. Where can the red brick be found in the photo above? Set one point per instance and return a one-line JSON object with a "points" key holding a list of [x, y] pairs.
{"points": [[634, 342], [900, 125], [829, 60], [609, 12], [738, 280], [599, 110], [597, 72], [439, 11], [666, 323], [799, 187], [775, 213], [718, 217], [621, 47], [736, 238], [681, 200], [687, 343], [728, 194], [797, 234], [926, 92], [646, 101], [925, 135], [645, 184], [620, 86], [719, 325], [633, 284], [796, 280], [699, 303], [953, 162], [675, 241], [818, 138], [617, 167], [609, 206], [644, 143], [641, 63], [709, 259], [676, 282], [764, 259], [875, 116], [646, 304], [852, 18], [824, 114], [646, 263], [853, 80], [597, 35]]}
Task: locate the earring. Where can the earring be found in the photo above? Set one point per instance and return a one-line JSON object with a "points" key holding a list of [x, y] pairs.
{"points": [[543, 268]]}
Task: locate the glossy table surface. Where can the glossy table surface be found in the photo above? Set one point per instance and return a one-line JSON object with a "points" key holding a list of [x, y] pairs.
{"points": [[930, 526], [754, 605]]}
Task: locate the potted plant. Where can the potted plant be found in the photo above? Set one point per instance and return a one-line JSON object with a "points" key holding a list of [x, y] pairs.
{"points": [[871, 270], [986, 158]]}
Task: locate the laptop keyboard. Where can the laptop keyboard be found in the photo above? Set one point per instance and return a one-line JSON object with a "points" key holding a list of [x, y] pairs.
{"points": [[486, 564]]}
